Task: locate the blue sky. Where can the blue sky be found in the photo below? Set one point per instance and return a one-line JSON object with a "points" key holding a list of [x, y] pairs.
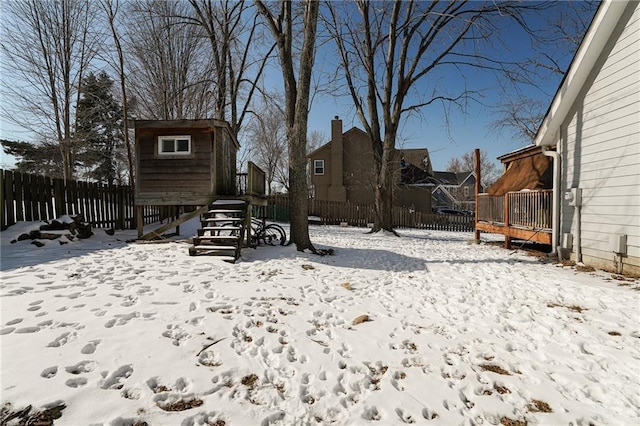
{"points": [[465, 131]]}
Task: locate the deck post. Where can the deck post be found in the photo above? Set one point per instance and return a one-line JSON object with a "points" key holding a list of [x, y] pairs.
{"points": [[247, 223], [175, 217], [139, 221], [507, 238]]}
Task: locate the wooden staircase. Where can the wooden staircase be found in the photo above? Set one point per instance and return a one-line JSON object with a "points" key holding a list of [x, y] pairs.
{"points": [[222, 230]]}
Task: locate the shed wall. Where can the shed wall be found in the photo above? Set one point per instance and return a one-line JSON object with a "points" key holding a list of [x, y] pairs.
{"points": [[159, 177], [600, 147]]}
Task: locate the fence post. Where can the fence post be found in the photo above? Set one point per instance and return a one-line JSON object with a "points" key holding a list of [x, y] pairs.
{"points": [[507, 238], [19, 191], [3, 201], [120, 218]]}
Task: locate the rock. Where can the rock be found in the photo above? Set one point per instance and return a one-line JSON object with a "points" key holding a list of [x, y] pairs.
{"points": [[48, 236], [23, 237], [360, 319], [37, 243], [54, 226], [110, 231]]}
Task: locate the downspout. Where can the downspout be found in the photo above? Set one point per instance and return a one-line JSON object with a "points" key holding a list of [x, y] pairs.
{"points": [[555, 213]]}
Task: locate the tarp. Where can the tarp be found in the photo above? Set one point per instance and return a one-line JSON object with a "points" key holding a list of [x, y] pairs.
{"points": [[533, 172]]}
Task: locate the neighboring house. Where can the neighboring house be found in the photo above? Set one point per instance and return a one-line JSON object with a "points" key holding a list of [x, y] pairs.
{"points": [[594, 124], [343, 170], [454, 190]]}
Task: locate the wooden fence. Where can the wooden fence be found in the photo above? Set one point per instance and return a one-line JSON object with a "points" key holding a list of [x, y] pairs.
{"points": [[335, 213], [27, 197]]}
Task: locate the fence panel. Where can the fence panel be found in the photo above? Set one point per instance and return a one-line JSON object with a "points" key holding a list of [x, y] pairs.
{"points": [[27, 197], [335, 213]]}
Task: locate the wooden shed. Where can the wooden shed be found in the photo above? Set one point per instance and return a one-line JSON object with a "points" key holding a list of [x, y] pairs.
{"points": [[184, 162], [190, 163]]}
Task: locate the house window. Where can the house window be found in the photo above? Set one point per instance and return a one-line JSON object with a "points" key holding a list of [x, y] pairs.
{"points": [[174, 145], [318, 167]]}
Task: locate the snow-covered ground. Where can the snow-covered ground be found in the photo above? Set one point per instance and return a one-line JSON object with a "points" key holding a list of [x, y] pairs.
{"points": [[117, 333]]}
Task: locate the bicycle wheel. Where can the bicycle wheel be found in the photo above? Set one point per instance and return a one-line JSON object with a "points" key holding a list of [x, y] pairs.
{"points": [[274, 234]]}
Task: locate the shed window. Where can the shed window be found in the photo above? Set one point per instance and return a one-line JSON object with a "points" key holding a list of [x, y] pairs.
{"points": [[318, 167], [174, 145]]}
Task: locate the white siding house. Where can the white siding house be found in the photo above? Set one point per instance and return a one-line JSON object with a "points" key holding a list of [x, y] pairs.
{"points": [[594, 122]]}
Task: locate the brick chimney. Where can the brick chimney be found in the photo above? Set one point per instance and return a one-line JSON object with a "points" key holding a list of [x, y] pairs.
{"points": [[337, 191]]}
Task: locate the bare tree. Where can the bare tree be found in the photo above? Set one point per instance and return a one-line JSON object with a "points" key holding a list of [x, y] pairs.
{"points": [[268, 137], [523, 104], [315, 140], [168, 64], [234, 36], [393, 55], [466, 163], [111, 9], [47, 49], [297, 86]]}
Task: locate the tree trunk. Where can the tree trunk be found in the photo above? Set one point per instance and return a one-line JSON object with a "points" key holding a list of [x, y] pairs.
{"points": [[296, 107], [298, 193]]}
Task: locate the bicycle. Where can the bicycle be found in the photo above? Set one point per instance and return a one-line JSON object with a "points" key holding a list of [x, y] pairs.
{"points": [[261, 232], [271, 233]]}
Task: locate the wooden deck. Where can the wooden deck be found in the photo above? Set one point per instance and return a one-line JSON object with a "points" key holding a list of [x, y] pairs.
{"points": [[521, 215]]}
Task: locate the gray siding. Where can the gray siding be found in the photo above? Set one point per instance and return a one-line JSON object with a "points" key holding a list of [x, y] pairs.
{"points": [[600, 147]]}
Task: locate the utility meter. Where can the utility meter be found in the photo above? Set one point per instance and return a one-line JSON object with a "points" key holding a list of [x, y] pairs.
{"points": [[574, 197]]}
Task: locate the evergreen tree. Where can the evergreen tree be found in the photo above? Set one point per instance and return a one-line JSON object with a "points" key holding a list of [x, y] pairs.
{"points": [[41, 158], [99, 130]]}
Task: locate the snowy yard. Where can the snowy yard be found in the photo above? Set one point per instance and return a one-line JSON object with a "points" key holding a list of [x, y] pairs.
{"points": [[113, 333]]}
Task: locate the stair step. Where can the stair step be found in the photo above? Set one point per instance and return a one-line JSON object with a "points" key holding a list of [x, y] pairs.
{"points": [[219, 237], [222, 219], [229, 201], [213, 247], [226, 211], [221, 228]]}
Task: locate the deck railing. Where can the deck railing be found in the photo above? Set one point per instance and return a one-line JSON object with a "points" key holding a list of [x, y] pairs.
{"points": [[252, 182], [528, 209], [256, 180], [490, 208]]}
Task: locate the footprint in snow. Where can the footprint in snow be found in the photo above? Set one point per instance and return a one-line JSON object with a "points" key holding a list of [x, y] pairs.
{"points": [[90, 347], [117, 379], [63, 339], [404, 416], [76, 383], [49, 372], [81, 367]]}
